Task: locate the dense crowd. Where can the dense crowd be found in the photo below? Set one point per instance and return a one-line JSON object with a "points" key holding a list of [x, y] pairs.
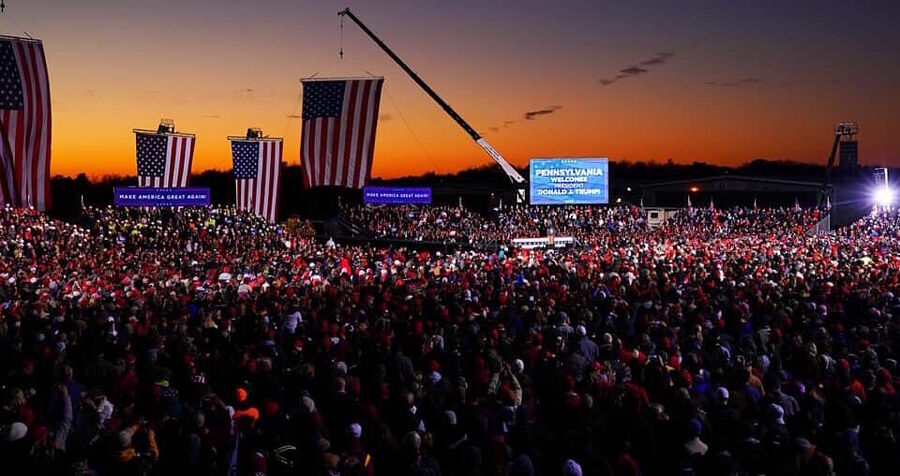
{"points": [[590, 225], [425, 223], [207, 341], [446, 224]]}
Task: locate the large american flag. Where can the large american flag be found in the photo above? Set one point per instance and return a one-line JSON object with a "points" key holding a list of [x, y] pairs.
{"points": [[257, 175], [24, 124], [338, 138], [164, 160]]}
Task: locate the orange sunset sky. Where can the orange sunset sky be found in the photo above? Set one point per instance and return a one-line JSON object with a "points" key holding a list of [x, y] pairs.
{"points": [[719, 82]]}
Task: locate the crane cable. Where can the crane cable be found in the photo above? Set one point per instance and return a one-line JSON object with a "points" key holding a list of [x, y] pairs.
{"points": [[13, 19], [394, 103], [295, 113], [411, 131]]}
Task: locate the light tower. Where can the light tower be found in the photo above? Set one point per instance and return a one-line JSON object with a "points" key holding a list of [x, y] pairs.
{"points": [[845, 139], [849, 149]]}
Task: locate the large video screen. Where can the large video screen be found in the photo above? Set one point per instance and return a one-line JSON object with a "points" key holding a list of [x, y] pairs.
{"points": [[569, 181]]}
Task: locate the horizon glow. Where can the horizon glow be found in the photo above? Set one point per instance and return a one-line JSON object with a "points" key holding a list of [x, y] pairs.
{"points": [[718, 83]]}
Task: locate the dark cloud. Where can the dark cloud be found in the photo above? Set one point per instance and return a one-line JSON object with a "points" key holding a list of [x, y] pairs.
{"points": [[385, 117], [608, 81], [294, 116], [212, 116], [738, 83], [506, 124], [642, 67], [657, 60], [633, 71], [245, 93], [532, 115]]}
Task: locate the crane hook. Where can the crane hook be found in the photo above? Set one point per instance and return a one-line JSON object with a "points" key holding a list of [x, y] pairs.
{"points": [[2, 6], [341, 53]]}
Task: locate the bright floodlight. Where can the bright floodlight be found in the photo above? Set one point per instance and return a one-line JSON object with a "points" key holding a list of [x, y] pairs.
{"points": [[884, 196]]}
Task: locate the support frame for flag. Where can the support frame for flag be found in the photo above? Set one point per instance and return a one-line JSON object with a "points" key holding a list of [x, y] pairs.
{"points": [[152, 132], [254, 139], [26, 39], [344, 78]]}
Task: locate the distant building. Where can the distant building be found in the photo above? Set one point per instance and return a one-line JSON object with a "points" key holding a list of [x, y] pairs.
{"points": [[731, 190]]}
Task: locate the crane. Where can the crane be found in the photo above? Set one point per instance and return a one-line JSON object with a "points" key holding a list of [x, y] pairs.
{"points": [[510, 171]]}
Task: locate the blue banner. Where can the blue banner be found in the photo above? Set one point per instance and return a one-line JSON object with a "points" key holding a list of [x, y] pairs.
{"points": [[397, 195], [569, 181], [162, 197]]}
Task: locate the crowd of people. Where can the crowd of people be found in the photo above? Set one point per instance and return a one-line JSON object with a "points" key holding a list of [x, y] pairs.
{"points": [[441, 224], [446, 224], [590, 225], [207, 341]]}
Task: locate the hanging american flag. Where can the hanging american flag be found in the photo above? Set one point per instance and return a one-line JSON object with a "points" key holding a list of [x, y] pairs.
{"points": [[24, 124], [164, 160], [338, 138], [257, 175]]}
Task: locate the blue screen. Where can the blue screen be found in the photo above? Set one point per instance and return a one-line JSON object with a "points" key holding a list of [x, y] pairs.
{"points": [[569, 181], [161, 196]]}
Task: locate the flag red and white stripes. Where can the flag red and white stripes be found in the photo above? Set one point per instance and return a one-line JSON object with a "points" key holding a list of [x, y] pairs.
{"points": [[257, 175], [24, 124], [338, 138], [164, 160]]}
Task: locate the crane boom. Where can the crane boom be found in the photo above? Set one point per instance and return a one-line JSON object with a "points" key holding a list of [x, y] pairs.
{"points": [[510, 171]]}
